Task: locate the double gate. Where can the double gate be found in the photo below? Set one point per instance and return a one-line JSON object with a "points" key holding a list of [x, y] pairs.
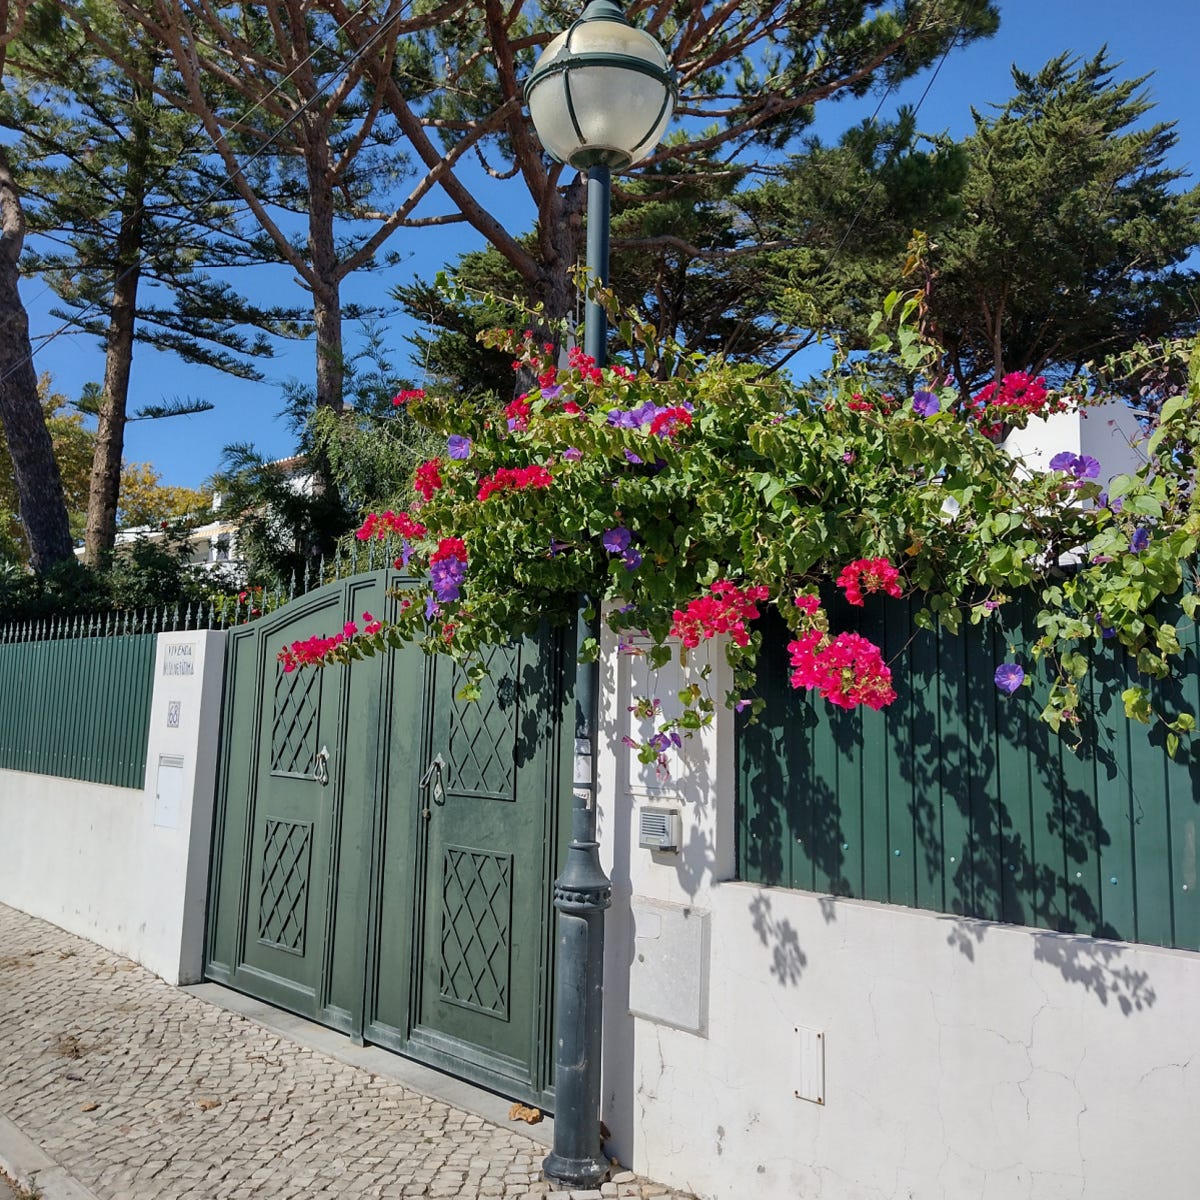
{"points": [[384, 852]]}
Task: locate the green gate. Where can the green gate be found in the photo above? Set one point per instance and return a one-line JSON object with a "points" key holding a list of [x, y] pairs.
{"points": [[383, 852]]}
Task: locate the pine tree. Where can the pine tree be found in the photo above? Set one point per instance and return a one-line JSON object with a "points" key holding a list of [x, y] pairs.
{"points": [[301, 136], [1055, 234], [134, 218], [1073, 233]]}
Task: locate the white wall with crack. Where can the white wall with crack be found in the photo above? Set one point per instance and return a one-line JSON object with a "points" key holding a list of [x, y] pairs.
{"points": [[791, 1046]]}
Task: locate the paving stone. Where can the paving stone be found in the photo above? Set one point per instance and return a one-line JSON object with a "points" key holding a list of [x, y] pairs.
{"points": [[84, 1026]]}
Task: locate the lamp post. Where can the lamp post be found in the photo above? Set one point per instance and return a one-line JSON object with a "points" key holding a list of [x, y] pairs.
{"points": [[600, 97]]}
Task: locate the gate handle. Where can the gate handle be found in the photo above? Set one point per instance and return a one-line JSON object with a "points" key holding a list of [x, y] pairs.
{"points": [[437, 765], [321, 774]]}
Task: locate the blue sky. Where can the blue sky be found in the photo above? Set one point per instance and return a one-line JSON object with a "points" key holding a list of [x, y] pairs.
{"points": [[1159, 36]]}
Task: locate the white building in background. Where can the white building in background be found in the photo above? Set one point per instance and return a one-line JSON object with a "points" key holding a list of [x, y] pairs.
{"points": [[1109, 432], [213, 546]]}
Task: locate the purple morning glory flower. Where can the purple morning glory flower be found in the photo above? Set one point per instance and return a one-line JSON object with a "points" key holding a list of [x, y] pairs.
{"points": [[1106, 631], [572, 454], [632, 458], [1009, 677], [616, 541], [926, 404], [632, 559], [431, 608], [1082, 466], [405, 552], [447, 575], [552, 392], [458, 446], [1140, 539]]}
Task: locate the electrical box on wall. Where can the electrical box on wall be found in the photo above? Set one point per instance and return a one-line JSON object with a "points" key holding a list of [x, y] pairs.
{"points": [[659, 829]]}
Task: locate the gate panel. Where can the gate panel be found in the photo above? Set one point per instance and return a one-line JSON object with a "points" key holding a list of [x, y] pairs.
{"points": [[465, 985], [291, 822]]}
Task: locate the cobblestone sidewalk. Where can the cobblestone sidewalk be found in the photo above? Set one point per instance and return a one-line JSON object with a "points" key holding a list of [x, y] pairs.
{"points": [[140, 1091]]}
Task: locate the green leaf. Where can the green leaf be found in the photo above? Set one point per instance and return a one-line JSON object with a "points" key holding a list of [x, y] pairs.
{"points": [[1143, 506], [1137, 705], [1167, 638], [1172, 744], [1175, 405]]}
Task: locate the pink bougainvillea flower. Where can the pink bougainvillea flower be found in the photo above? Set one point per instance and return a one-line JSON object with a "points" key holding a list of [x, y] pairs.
{"points": [[585, 364], [869, 575], [428, 478], [725, 610], [847, 670], [669, 421], [513, 479], [405, 396], [517, 414], [379, 525]]}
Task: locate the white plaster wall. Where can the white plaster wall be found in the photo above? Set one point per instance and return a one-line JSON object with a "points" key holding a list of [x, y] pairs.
{"points": [[128, 868], [956, 1059]]}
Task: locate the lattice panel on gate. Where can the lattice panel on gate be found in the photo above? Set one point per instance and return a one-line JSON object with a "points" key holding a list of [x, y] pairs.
{"points": [[294, 732], [482, 740], [283, 902], [476, 929]]}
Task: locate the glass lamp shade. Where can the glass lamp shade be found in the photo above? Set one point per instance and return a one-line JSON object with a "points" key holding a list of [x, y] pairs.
{"points": [[602, 92]]}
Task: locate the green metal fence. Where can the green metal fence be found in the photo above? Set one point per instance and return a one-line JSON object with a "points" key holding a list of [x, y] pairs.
{"points": [[78, 708], [959, 799]]}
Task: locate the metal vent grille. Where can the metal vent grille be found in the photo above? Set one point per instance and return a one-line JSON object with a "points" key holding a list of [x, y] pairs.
{"points": [[658, 829]]}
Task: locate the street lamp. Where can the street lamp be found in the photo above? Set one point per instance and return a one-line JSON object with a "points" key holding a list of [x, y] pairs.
{"points": [[600, 97]]}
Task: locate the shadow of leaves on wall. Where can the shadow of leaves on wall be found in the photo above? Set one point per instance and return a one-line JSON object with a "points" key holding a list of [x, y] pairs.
{"points": [[959, 799]]}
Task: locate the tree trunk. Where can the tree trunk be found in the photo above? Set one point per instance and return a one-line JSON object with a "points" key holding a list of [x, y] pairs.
{"points": [[560, 242], [35, 471], [327, 320], [104, 489], [322, 249]]}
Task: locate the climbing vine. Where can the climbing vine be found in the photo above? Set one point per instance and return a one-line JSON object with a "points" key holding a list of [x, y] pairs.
{"points": [[688, 505]]}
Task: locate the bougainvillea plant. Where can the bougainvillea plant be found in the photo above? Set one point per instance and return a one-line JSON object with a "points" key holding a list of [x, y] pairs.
{"points": [[687, 506]]}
